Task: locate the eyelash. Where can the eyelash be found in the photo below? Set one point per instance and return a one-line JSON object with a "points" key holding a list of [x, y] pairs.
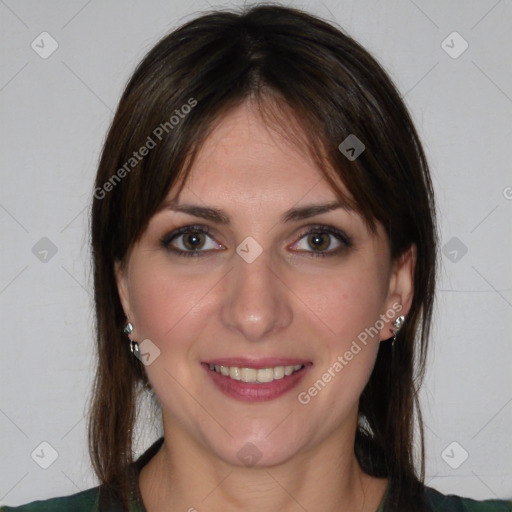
{"points": [[204, 230]]}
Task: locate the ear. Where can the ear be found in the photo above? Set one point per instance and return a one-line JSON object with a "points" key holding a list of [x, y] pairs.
{"points": [[400, 291], [120, 272]]}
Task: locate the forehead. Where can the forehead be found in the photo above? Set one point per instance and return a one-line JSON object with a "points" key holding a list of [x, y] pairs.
{"points": [[248, 160]]}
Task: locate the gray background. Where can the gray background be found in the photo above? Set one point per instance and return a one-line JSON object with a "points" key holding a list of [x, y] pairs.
{"points": [[55, 113]]}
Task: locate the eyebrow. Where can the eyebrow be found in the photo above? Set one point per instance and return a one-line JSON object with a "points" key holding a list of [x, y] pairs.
{"points": [[220, 217]]}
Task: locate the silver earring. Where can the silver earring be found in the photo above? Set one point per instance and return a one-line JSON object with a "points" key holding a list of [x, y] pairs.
{"points": [[397, 324], [134, 346]]}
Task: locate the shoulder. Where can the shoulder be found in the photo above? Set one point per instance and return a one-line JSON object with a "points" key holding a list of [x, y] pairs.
{"points": [[439, 502], [85, 501]]}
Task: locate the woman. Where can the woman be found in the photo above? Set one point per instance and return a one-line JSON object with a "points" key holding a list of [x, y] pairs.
{"points": [[264, 245]]}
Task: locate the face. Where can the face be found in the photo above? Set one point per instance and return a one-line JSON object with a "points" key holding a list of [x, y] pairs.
{"points": [[248, 283]]}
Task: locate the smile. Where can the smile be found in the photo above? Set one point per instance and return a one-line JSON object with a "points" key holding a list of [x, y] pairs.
{"points": [[254, 375], [252, 380]]}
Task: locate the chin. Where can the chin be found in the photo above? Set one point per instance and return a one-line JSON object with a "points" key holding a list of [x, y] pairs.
{"points": [[256, 451]]}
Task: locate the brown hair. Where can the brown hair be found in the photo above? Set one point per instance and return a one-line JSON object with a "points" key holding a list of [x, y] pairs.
{"points": [[281, 58]]}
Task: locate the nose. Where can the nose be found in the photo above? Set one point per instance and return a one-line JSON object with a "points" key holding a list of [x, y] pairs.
{"points": [[256, 301]]}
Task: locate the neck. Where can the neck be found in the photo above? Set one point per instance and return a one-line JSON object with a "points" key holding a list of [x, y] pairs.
{"points": [[183, 475]]}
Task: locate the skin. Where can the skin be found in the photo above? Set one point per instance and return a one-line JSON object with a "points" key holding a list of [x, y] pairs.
{"points": [[285, 303]]}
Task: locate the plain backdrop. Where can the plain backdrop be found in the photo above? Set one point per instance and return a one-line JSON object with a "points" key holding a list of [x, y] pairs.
{"points": [[55, 112]]}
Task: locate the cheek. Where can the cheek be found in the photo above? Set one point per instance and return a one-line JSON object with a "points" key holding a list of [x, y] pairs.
{"points": [[346, 302], [347, 306], [167, 306]]}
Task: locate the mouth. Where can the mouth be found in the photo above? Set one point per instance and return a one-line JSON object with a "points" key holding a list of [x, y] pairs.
{"points": [[256, 381], [256, 375]]}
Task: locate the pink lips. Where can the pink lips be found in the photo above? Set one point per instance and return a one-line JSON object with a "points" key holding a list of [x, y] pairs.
{"points": [[256, 392]]}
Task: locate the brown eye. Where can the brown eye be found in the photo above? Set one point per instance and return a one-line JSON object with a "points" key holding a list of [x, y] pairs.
{"points": [[193, 241], [190, 241], [323, 241], [319, 241]]}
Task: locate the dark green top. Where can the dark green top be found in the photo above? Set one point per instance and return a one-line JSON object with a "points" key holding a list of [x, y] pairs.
{"points": [[97, 499]]}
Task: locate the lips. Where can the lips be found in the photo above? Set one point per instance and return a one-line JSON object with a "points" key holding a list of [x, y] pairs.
{"points": [[256, 379]]}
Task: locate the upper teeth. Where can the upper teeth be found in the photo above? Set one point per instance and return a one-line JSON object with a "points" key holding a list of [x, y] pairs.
{"points": [[255, 375]]}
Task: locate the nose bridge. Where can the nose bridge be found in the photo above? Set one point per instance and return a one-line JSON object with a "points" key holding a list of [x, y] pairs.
{"points": [[256, 303]]}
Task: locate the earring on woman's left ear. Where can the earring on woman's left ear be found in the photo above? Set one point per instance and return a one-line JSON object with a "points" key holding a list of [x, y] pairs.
{"points": [[397, 325]]}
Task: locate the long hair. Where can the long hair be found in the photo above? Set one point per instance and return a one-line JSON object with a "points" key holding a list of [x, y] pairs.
{"points": [[289, 63]]}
